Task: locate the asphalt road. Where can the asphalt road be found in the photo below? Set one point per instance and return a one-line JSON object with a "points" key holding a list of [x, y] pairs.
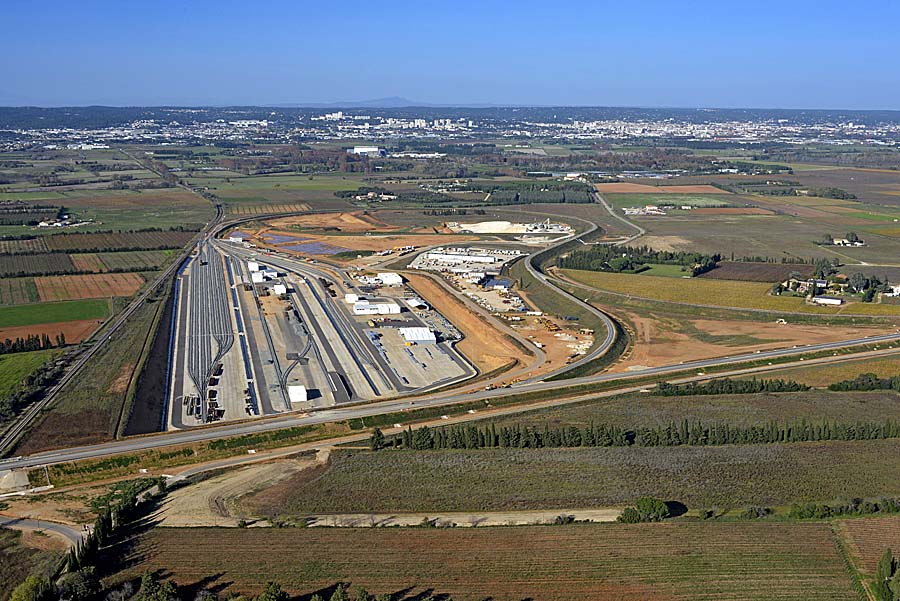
{"points": [[391, 406], [73, 535]]}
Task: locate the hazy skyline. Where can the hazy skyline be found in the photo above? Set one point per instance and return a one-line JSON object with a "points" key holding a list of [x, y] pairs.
{"points": [[703, 54]]}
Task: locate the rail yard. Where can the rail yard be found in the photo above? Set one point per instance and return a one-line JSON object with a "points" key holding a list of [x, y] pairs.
{"points": [[259, 334]]}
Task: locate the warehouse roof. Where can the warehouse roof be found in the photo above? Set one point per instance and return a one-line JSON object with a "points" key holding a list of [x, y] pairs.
{"points": [[417, 334]]}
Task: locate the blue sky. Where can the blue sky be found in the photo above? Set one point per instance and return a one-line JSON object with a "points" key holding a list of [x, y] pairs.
{"points": [[787, 54]]}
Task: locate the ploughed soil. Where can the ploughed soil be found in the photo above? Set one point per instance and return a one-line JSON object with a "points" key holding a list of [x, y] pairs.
{"points": [[74, 331], [662, 341]]}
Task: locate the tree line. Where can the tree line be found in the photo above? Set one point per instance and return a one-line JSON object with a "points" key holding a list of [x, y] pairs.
{"points": [[866, 382], [729, 386], [688, 433], [31, 342], [618, 259]]}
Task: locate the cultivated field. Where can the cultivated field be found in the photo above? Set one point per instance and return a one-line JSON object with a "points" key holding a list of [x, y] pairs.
{"points": [[71, 287], [13, 265], [267, 209], [74, 331], [870, 537], [17, 291], [506, 479], [34, 314], [721, 561], [756, 272], [718, 293], [97, 242]]}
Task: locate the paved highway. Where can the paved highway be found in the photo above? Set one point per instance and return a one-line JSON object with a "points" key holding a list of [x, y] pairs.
{"points": [[378, 408]]}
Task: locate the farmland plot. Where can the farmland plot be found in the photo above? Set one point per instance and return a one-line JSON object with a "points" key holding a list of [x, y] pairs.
{"points": [[504, 479], [50, 263], [757, 272], [67, 287], [869, 538], [698, 561], [17, 291], [141, 260]]}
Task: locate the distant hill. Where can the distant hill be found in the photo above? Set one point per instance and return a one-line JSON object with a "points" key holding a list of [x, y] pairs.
{"points": [[391, 102]]}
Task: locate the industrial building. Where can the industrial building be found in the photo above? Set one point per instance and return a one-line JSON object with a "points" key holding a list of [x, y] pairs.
{"points": [[390, 279], [371, 151], [279, 289], [418, 335], [364, 307], [297, 394]]}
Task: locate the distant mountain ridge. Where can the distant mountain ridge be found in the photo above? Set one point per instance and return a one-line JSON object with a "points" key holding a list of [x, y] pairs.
{"points": [[390, 102]]}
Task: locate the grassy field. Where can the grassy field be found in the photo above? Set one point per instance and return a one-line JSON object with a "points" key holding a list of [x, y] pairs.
{"points": [[620, 200], [19, 560], [699, 561], [822, 375], [719, 293], [14, 367], [727, 476], [27, 315], [636, 410]]}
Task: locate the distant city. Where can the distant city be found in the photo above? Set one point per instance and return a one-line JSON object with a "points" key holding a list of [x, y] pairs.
{"points": [[97, 127]]}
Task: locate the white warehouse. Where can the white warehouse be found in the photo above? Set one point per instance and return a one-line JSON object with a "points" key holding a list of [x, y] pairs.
{"points": [[418, 335], [390, 279], [364, 307]]}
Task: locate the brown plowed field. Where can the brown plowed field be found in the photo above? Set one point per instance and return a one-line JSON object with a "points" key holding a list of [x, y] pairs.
{"points": [[651, 562], [88, 262], [70, 287], [267, 209], [632, 188], [756, 272], [74, 331], [344, 222], [869, 537]]}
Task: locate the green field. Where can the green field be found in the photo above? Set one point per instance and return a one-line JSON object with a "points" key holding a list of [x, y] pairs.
{"points": [[502, 479], [621, 201], [698, 561], [29, 315], [666, 271], [14, 367]]}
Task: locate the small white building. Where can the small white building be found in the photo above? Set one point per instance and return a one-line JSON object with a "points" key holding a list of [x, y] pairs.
{"points": [[279, 289], [418, 335], [351, 298], [390, 279], [256, 277], [297, 394], [252, 265], [827, 300], [269, 274]]}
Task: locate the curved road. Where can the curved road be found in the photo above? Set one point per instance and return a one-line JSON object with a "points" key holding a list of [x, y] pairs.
{"points": [[73, 535]]}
